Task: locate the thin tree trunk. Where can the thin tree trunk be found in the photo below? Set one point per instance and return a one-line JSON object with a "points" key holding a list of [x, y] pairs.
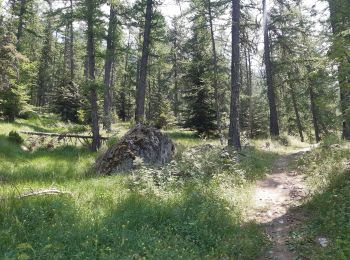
{"points": [[215, 66], [141, 89], [71, 41], [44, 74], [274, 128], [250, 95], [234, 132], [90, 76], [110, 51], [337, 19], [66, 52], [122, 112], [314, 113], [20, 26], [176, 94], [296, 110]]}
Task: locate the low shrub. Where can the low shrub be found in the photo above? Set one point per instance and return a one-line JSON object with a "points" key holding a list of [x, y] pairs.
{"points": [[330, 139], [15, 137]]}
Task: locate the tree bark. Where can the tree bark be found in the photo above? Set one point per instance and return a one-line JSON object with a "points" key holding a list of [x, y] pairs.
{"points": [[250, 93], [340, 20], [274, 128], [176, 88], [122, 111], [296, 110], [90, 76], [45, 82], [215, 83], [234, 131], [314, 113], [20, 26], [110, 52], [141, 89], [71, 41]]}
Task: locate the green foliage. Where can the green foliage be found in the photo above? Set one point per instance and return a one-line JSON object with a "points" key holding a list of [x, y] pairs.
{"points": [[10, 102], [283, 140], [329, 208], [193, 224], [125, 216], [200, 114], [330, 139], [15, 137], [68, 102], [12, 95], [165, 118]]}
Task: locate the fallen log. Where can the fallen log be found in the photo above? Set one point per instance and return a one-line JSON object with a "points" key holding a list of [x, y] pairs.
{"points": [[41, 192], [61, 136]]}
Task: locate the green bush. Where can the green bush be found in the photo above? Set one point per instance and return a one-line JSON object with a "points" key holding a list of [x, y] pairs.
{"points": [[28, 113], [330, 139], [15, 137], [283, 140], [328, 176]]}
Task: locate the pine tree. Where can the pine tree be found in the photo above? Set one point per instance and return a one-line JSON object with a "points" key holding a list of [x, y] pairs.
{"points": [[200, 112], [234, 130], [12, 97]]}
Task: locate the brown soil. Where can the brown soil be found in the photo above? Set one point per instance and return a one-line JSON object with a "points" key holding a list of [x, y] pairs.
{"points": [[273, 200]]}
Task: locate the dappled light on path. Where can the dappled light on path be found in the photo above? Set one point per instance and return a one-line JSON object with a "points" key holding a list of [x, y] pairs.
{"points": [[272, 202]]}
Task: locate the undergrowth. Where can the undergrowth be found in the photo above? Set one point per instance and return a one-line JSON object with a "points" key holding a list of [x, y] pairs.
{"points": [[328, 175], [190, 209]]}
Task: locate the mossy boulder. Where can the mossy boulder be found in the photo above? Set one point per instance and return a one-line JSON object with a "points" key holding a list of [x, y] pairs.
{"points": [[141, 142]]}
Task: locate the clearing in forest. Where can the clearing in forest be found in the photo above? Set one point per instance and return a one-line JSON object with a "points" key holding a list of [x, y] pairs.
{"points": [[272, 201]]}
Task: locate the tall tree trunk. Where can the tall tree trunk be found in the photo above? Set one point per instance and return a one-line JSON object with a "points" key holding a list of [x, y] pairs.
{"points": [[69, 46], [250, 94], [215, 66], [176, 88], [90, 76], [66, 51], [122, 112], [45, 81], [314, 113], [340, 21], [20, 26], [274, 128], [234, 132], [141, 88], [296, 110], [71, 41], [110, 51]]}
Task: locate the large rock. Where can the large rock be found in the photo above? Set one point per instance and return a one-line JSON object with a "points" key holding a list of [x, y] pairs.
{"points": [[147, 143]]}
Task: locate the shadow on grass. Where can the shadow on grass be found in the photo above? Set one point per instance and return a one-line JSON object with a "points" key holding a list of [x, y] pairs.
{"points": [[61, 164], [196, 224], [175, 134], [328, 216], [257, 162], [33, 126]]}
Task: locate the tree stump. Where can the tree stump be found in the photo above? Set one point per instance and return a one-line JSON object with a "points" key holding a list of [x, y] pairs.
{"points": [[145, 142]]}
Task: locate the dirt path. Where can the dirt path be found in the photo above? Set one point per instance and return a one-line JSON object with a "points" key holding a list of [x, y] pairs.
{"points": [[273, 198]]}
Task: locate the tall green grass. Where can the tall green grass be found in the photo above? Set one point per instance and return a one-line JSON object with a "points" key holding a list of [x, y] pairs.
{"points": [[119, 217], [328, 210]]}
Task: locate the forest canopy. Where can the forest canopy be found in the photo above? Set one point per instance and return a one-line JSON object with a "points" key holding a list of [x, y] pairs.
{"points": [[227, 68]]}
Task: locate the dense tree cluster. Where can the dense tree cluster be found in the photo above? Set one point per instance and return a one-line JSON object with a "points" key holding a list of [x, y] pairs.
{"points": [[219, 67]]}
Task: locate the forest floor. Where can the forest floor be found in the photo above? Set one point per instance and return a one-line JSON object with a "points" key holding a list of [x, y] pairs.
{"points": [[155, 213], [272, 203]]}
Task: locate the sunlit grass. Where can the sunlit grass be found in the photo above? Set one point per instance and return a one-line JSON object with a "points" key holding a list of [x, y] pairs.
{"points": [[116, 217], [328, 178], [282, 145]]}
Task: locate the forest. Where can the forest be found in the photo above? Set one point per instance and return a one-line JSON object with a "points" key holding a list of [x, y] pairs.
{"points": [[149, 129]]}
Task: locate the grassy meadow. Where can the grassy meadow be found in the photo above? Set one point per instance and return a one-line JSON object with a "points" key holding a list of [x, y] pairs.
{"points": [[123, 216], [327, 210], [147, 213]]}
